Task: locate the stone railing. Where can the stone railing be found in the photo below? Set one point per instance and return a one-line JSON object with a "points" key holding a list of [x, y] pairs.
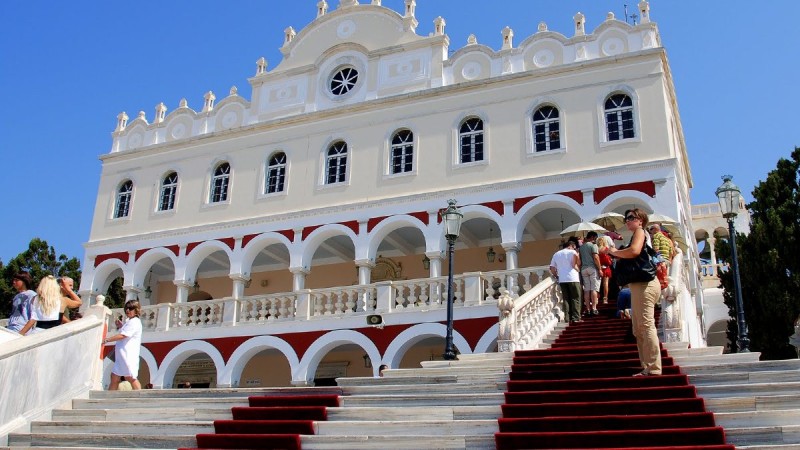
{"points": [[469, 289], [526, 320]]}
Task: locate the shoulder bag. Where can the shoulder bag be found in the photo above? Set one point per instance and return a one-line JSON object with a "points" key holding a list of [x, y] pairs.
{"points": [[635, 270]]}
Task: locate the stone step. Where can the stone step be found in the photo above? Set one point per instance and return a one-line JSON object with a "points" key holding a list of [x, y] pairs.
{"points": [[386, 380], [695, 352], [472, 372], [742, 390], [768, 435], [99, 440], [408, 442], [731, 359], [408, 427], [334, 414], [113, 415], [145, 428], [469, 363], [186, 402], [758, 418], [435, 389], [773, 376], [213, 393], [424, 400], [741, 367], [754, 403]]}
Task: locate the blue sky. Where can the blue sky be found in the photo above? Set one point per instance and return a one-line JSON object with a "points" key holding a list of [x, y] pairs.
{"points": [[69, 68]]}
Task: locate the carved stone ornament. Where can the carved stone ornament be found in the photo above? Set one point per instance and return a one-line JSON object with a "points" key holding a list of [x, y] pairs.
{"points": [[386, 269]]}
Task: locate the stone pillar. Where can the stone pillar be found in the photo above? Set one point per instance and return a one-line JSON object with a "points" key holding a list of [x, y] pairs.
{"points": [[182, 296], [102, 313], [473, 289], [434, 289], [364, 270], [131, 292], [711, 241], [299, 278], [386, 297], [512, 263], [239, 283]]}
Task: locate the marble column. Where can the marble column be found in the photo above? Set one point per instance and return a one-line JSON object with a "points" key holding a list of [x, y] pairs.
{"points": [[182, 294], [299, 278], [239, 283], [711, 242]]}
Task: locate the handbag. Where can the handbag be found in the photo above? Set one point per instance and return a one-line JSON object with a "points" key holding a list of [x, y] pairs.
{"points": [[635, 270]]}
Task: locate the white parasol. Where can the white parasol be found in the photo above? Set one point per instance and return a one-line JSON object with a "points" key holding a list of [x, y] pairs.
{"points": [[581, 228], [610, 221]]}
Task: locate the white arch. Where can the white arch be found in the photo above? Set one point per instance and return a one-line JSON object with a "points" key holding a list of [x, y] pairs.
{"points": [[179, 354], [619, 198], [488, 340], [144, 354], [538, 205], [410, 336], [100, 278], [317, 351], [317, 237], [386, 226], [254, 247], [232, 372], [198, 254], [146, 261]]}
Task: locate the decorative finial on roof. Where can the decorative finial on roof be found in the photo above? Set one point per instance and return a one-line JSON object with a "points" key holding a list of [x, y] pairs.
{"points": [[261, 66], [322, 8], [472, 40], [409, 21], [438, 26], [142, 116], [183, 103], [508, 37], [233, 91], [346, 3], [209, 98], [289, 34], [161, 112], [610, 16], [376, 2], [411, 6], [122, 121], [542, 27], [644, 11], [580, 24]]}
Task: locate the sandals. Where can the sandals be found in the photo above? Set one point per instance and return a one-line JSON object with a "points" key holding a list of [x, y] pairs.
{"points": [[646, 374]]}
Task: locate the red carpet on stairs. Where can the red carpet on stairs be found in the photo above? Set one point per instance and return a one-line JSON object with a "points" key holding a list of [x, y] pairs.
{"points": [[273, 422], [581, 394]]}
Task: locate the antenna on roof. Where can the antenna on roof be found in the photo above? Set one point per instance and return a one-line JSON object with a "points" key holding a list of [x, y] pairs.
{"points": [[630, 18]]}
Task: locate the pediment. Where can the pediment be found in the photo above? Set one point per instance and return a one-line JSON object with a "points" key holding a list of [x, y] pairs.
{"points": [[371, 27]]}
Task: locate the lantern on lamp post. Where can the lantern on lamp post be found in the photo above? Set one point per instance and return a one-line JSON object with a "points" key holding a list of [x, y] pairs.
{"points": [[730, 197], [451, 218]]}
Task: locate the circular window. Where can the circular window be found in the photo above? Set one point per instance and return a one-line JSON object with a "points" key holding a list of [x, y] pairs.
{"points": [[343, 80]]}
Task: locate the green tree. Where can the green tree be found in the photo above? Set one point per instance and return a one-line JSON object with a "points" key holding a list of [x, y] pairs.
{"points": [[40, 259], [115, 295], [769, 262]]}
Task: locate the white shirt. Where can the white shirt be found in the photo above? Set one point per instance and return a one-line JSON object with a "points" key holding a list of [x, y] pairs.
{"points": [[564, 262]]}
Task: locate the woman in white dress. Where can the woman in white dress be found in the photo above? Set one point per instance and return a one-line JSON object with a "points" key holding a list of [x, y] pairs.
{"points": [[45, 307], [127, 345]]}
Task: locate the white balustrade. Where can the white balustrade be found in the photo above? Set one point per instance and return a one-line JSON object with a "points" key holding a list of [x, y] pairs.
{"points": [[517, 281], [526, 320], [266, 308], [342, 300], [204, 313]]}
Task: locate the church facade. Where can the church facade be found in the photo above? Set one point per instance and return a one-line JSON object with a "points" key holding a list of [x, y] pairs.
{"points": [[260, 233]]}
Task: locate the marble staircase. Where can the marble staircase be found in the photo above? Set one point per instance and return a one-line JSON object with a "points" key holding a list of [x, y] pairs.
{"points": [[444, 404]]}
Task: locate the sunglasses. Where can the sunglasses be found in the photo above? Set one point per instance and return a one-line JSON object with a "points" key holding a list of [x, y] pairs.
{"points": [[630, 218], [130, 308]]}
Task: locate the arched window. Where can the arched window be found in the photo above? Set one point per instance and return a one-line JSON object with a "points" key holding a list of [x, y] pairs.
{"points": [[220, 182], [276, 173], [619, 117], [470, 137], [402, 152], [336, 163], [123, 204], [546, 129], [169, 188]]}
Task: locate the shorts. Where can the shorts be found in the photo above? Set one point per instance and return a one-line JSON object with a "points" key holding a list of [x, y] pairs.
{"points": [[590, 279]]}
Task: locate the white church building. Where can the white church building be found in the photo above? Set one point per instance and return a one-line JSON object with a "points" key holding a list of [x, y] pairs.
{"points": [[260, 233]]}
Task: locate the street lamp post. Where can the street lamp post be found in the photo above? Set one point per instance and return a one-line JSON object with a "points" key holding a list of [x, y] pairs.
{"points": [[729, 197], [452, 226]]}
